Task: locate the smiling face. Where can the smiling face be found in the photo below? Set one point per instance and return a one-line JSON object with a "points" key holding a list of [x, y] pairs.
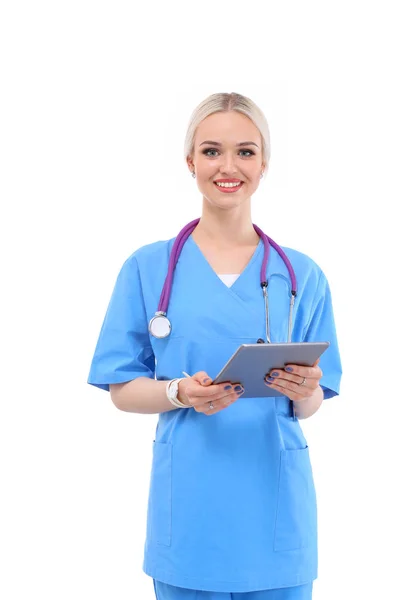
{"points": [[227, 149]]}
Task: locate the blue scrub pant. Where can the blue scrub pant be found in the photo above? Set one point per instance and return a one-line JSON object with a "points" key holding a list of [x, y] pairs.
{"points": [[164, 591]]}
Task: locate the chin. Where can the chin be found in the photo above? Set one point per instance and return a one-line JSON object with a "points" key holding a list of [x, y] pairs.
{"points": [[221, 205]]}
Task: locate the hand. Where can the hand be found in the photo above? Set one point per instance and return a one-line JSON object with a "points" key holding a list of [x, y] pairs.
{"points": [[296, 382], [198, 391]]}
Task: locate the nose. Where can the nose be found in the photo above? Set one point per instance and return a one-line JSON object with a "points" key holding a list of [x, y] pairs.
{"points": [[228, 164]]}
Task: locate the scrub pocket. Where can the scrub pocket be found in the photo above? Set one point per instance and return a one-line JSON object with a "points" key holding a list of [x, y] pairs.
{"points": [[296, 516], [159, 520]]}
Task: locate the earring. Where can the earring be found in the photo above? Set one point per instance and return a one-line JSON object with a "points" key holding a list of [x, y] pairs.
{"points": [[262, 174], [193, 174]]}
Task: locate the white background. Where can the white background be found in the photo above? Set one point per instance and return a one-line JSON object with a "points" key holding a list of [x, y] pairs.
{"points": [[95, 101]]}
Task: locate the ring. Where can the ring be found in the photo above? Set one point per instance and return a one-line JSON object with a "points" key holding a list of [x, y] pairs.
{"points": [[211, 406], [303, 382]]}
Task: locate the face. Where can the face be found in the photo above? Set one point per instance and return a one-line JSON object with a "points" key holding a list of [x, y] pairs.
{"points": [[227, 147]]}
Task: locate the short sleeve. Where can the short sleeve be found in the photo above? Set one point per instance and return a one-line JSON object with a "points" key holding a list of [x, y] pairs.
{"points": [[321, 328], [123, 350]]}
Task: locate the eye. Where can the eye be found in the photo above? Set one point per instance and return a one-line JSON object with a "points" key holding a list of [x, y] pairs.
{"points": [[251, 153], [209, 150]]}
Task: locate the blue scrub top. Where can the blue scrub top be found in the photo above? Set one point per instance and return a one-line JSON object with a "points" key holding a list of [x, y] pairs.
{"points": [[232, 504]]}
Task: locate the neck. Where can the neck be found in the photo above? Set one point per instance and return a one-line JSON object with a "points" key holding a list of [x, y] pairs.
{"points": [[226, 228]]}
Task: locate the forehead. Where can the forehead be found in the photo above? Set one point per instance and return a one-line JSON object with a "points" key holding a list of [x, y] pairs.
{"points": [[227, 127]]}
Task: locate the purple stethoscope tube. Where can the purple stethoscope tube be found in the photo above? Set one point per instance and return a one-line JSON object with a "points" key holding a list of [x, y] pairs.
{"points": [[160, 325]]}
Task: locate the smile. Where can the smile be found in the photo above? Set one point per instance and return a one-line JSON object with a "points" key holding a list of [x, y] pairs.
{"points": [[229, 187]]}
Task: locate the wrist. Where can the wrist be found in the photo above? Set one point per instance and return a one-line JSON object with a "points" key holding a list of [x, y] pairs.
{"points": [[308, 406], [181, 396], [172, 390]]}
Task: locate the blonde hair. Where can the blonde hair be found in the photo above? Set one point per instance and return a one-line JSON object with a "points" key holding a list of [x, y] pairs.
{"points": [[224, 102]]}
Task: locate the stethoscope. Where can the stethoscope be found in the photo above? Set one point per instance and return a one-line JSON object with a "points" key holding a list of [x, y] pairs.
{"points": [[160, 325]]}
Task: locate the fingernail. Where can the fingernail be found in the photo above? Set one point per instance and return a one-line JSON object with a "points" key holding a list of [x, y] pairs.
{"points": [[237, 388], [270, 379], [228, 387], [207, 379], [268, 382], [240, 392], [288, 369], [275, 374]]}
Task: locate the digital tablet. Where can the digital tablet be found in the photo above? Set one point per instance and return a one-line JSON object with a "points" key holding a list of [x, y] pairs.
{"points": [[251, 362]]}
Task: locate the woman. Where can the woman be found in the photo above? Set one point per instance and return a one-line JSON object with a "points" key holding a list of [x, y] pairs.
{"points": [[232, 511]]}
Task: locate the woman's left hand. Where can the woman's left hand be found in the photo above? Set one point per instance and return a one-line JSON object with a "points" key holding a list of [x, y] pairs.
{"points": [[296, 382]]}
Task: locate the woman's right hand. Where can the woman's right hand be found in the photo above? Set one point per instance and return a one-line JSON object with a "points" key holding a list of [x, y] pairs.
{"points": [[198, 391]]}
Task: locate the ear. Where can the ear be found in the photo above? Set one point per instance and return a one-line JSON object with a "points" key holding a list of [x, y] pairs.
{"points": [[190, 163]]}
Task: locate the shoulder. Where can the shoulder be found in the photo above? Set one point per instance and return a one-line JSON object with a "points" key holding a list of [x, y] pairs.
{"points": [[307, 270], [149, 255]]}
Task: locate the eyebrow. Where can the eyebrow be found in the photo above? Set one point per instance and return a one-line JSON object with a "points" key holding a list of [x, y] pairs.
{"points": [[218, 144]]}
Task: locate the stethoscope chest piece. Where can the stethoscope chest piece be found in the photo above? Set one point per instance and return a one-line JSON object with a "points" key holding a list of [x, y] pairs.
{"points": [[160, 326]]}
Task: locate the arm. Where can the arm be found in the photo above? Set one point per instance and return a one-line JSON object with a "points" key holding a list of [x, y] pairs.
{"points": [[308, 406], [301, 385], [308, 386], [148, 396], [141, 395]]}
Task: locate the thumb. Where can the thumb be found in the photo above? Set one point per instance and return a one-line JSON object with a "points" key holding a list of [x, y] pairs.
{"points": [[203, 378]]}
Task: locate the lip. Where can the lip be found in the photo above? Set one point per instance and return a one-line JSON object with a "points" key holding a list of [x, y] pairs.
{"points": [[227, 180], [229, 190]]}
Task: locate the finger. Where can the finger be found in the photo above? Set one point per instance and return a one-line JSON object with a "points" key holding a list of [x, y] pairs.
{"points": [[214, 392], [309, 372], [219, 403], [202, 377], [203, 386], [292, 391], [226, 393], [207, 411], [206, 381], [292, 382], [199, 395], [205, 408], [277, 375]]}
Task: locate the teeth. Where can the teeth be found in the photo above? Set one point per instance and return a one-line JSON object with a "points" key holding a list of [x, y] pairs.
{"points": [[228, 184]]}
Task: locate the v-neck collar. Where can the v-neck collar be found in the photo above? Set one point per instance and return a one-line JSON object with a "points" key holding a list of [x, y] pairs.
{"points": [[242, 275]]}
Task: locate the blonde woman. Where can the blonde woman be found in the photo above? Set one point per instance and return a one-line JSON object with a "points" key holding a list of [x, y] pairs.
{"points": [[232, 508]]}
